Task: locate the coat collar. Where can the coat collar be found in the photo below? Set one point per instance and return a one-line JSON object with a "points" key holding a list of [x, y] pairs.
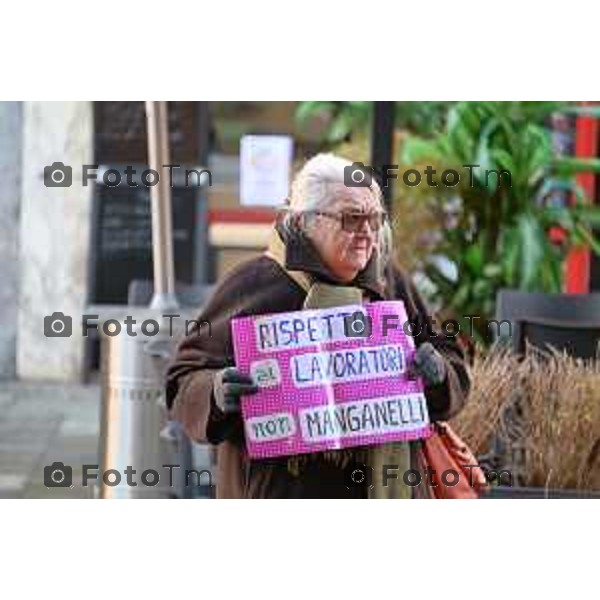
{"points": [[301, 255]]}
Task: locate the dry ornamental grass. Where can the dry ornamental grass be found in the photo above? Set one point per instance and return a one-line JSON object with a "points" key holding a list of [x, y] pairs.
{"points": [[545, 402]]}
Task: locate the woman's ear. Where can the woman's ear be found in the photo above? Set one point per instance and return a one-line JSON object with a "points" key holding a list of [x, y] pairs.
{"points": [[287, 219]]}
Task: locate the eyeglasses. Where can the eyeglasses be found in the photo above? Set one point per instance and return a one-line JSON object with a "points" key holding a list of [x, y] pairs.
{"points": [[354, 222]]}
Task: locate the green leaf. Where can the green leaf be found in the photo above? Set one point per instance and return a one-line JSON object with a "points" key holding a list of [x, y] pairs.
{"points": [[492, 270], [510, 256], [473, 258], [307, 110], [587, 214], [503, 159], [532, 240], [484, 151], [460, 296], [415, 149], [589, 238], [340, 128], [566, 166]]}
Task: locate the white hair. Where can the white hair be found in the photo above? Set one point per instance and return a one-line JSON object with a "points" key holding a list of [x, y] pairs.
{"points": [[313, 188]]}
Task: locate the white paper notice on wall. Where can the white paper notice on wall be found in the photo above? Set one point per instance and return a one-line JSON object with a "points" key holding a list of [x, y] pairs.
{"points": [[265, 168]]}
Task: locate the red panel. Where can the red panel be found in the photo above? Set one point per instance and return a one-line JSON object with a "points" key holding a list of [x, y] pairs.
{"points": [[242, 215], [577, 276]]}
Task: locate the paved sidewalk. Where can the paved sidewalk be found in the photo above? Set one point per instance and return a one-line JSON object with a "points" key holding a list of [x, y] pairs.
{"points": [[41, 424]]}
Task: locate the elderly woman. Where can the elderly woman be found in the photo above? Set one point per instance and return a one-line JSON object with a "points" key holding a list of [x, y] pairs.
{"points": [[331, 237]]}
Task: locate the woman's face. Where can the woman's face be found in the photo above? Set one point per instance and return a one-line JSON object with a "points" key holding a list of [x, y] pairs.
{"points": [[343, 237]]}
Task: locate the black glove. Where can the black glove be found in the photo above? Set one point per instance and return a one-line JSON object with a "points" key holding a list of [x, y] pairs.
{"points": [[429, 364], [228, 386]]}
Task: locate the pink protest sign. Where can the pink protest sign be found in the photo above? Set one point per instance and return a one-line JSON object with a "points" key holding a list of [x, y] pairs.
{"points": [[328, 379]]}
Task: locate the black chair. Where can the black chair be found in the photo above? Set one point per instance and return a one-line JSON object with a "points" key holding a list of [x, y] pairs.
{"points": [[569, 322]]}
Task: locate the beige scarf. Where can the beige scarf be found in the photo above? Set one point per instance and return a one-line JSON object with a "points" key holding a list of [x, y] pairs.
{"points": [[323, 295]]}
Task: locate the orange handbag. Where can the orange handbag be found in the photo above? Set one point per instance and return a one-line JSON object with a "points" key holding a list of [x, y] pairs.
{"points": [[455, 472]]}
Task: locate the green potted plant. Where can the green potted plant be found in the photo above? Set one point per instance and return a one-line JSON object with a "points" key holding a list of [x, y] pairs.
{"points": [[499, 231]]}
